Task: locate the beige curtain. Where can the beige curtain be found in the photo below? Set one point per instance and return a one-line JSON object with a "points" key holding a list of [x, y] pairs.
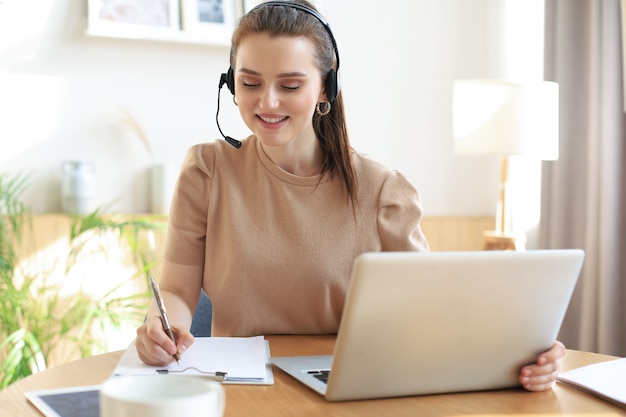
{"points": [[584, 192]]}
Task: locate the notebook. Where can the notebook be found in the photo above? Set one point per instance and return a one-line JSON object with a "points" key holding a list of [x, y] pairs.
{"points": [[231, 360], [442, 322], [606, 380]]}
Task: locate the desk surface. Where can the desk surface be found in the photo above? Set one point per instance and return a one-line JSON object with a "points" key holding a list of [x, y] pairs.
{"points": [[288, 397]]}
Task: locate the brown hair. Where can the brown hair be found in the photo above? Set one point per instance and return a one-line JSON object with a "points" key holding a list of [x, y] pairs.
{"points": [[331, 130]]}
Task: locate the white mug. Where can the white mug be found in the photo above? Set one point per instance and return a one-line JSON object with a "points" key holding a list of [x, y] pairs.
{"points": [[161, 396]]}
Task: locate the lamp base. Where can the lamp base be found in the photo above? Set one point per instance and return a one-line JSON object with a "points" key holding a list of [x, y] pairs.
{"points": [[504, 241]]}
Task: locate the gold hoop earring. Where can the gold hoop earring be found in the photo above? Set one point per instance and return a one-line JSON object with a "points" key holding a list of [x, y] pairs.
{"points": [[235, 101], [318, 108]]}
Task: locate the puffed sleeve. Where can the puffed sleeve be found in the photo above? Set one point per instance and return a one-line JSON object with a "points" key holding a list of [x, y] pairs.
{"points": [[399, 216], [186, 234]]}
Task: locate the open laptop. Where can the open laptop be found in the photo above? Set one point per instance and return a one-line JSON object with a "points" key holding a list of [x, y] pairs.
{"points": [[440, 322]]}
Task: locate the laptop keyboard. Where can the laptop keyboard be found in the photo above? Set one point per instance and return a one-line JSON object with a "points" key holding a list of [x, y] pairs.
{"points": [[322, 375]]}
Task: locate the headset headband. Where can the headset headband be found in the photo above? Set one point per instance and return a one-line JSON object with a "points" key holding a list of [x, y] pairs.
{"points": [[310, 11]]}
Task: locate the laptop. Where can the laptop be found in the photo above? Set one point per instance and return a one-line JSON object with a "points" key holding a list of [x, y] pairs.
{"points": [[441, 322]]}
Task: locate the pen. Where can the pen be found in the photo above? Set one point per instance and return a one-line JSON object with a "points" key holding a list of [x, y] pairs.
{"points": [[156, 292]]}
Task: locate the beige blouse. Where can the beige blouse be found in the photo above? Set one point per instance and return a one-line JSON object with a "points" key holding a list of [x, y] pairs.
{"points": [[277, 249]]}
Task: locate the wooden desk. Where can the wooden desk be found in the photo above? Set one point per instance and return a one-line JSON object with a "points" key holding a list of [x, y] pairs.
{"points": [[287, 397]]}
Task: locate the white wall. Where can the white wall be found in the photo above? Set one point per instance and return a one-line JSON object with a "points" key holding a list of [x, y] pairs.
{"points": [[60, 92], [398, 65]]}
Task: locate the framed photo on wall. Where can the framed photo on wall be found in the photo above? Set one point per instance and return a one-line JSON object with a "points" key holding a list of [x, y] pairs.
{"points": [[133, 17], [213, 20]]}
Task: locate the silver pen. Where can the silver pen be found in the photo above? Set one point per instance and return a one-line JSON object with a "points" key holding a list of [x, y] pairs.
{"points": [[156, 292]]}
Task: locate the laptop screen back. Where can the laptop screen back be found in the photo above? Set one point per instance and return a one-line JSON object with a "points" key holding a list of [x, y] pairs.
{"points": [[426, 323]]}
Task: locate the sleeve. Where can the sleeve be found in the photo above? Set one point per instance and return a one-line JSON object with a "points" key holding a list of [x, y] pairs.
{"points": [[399, 216], [186, 233]]}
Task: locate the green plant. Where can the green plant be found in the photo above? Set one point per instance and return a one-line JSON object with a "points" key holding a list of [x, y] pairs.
{"points": [[36, 317]]}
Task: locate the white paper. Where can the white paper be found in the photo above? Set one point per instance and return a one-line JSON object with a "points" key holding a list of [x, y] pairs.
{"points": [[242, 358], [605, 379]]}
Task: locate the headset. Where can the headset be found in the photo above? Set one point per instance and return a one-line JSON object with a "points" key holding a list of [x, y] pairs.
{"points": [[331, 83]]}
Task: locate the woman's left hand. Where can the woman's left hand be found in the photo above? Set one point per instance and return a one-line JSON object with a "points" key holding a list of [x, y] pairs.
{"points": [[541, 375]]}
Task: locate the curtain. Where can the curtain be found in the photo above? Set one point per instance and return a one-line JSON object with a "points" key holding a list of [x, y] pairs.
{"points": [[583, 197]]}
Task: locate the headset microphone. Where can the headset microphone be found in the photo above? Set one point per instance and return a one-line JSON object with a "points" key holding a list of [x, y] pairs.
{"points": [[234, 142]]}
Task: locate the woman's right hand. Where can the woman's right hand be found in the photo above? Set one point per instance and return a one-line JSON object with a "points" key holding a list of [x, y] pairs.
{"points": [[155, 348]]}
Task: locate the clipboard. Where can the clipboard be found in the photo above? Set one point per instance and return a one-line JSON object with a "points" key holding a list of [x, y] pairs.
{"points": [[231, 360]]}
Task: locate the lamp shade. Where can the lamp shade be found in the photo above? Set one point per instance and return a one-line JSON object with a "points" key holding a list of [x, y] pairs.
{"points": [[495, 117]]}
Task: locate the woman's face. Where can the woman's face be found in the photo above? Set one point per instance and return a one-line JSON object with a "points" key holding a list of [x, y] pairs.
{"points": [[277, 86]]}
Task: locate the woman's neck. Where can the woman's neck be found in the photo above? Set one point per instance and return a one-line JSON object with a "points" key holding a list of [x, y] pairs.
{"points": [[298, 157]]}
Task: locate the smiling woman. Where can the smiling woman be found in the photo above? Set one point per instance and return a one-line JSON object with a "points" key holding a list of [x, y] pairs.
{"points": [[277, 94], [269, 229]]}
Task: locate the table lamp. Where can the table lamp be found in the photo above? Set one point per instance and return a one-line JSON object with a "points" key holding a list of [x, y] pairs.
{"points": [[497, 117]]}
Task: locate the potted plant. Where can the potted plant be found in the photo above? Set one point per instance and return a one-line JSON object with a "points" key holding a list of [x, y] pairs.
{"points": [[36, 317]]}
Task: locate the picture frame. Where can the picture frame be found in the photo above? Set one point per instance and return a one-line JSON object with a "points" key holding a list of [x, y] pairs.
{"points": [[212, 20], [133, 18]]}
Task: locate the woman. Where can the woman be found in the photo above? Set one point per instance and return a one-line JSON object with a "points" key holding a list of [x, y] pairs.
{"points": [[270, 230]]}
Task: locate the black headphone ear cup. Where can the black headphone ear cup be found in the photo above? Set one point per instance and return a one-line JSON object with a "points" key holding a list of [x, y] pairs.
{"points": [[230, 80], [331, 85]]}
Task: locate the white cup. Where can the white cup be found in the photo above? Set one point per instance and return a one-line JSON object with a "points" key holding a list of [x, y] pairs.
{"points": [[161, 396]]}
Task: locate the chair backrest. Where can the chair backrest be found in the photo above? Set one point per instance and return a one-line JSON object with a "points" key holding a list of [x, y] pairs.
{"points": [[202, 317]]}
